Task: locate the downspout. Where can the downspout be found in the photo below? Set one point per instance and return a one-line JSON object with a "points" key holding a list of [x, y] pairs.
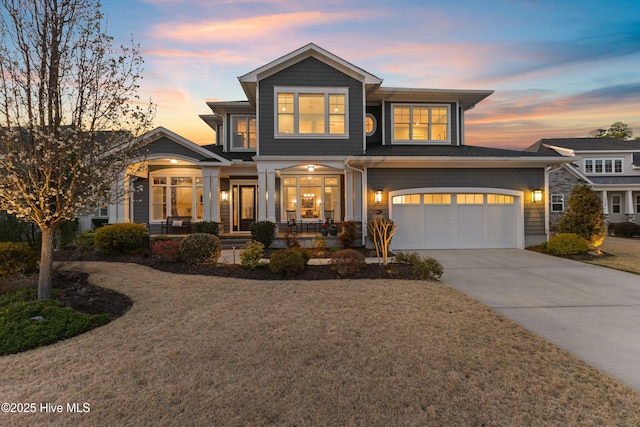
{"points": [[363, 201]]}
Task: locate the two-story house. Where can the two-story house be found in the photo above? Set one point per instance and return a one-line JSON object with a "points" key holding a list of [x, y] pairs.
{"points": [[319, 137], [611, 167]]}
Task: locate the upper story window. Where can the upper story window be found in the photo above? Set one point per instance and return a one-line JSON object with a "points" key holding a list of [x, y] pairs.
{"points": [[243, 136], [311, 112], [603, 166], [420, 122]]}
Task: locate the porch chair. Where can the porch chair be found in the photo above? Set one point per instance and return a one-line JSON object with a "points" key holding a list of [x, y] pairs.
{"points": [[292, 222]]}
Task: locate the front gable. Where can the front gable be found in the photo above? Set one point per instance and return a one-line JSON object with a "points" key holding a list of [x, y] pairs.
{"points": [[165, 144]]}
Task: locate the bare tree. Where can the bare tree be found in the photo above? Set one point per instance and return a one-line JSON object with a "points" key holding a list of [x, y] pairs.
{"points": [[70, 118]]}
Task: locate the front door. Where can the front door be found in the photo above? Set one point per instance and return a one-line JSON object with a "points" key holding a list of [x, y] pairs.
{"points": [[244, 207]]}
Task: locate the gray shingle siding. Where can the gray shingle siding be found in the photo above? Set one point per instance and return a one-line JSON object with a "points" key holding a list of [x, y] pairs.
{"points": [[310, 72], [525, 179], [166, 146], [453, 126], [141, 201], [376, 138]]}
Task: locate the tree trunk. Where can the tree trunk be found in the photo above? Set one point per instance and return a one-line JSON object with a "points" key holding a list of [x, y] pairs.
{"points": [[46, 263]]}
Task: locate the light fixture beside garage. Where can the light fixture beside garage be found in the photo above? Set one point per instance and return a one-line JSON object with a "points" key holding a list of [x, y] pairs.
{"points": [[536, 196], [377, 197]]}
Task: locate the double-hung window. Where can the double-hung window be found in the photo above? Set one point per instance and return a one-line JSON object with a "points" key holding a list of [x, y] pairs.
{"points": [[420, 122], [244, 132], [557, 203], [311, 112], [603, 166]]}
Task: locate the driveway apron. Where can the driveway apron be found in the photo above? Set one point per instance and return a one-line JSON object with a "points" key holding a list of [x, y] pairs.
{"points": [[592, 312]]}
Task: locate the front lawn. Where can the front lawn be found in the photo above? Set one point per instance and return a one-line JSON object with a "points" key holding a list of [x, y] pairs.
{"points": [[624, 254], [206, 350]]}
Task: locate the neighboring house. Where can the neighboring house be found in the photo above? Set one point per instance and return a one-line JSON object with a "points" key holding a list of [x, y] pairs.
{"points": [[610, 166], [318, 136]]}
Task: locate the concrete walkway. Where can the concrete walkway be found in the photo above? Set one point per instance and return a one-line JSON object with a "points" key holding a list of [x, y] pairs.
{"points": [[592, 312]]}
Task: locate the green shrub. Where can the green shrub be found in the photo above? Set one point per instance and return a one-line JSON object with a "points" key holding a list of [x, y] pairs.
{"points": [[626, 229], [263, 232], [17, 258], [349, 234], [123, 238], [85, 241], [200, 248], [347, 262], [288, 262], [426, 268], [567, 244], [584, 216], [66, 233], [251, 255], [166, 250], [207, 227], [19, 333]]}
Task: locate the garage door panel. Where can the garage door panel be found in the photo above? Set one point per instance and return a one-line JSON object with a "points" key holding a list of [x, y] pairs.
{"points": [[470, 226], [501, 225], [409, 232], [438, 227]]}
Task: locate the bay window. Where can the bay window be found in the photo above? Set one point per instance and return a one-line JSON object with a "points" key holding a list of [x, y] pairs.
{"points": [[420, 123], [311, 112]]}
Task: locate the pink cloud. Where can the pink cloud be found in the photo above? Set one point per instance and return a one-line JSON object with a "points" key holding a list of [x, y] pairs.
{"points": [[248, 28]]}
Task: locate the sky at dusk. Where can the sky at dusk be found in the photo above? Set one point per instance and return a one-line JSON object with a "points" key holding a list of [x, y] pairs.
{"points": [[559, 68]]}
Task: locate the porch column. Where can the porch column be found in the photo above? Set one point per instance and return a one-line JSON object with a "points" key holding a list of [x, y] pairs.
{"points": [[348, 195], [629, 209], [605, 202], [262, 195], [271, 195], [119, 209], [358, 195]]}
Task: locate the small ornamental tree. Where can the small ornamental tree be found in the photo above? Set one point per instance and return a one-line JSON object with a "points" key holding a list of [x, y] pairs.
{"points": [[70, 119], [584, 216]]}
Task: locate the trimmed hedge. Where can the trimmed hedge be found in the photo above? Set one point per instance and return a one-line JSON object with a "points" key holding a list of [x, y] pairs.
{"points": [[201, 248], [567, 244], [289, 262], [626, 229], [263, 232], [251, 255], [117, 239]]}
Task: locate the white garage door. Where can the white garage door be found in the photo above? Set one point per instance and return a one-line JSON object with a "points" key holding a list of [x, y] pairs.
{"points": [[455, 220]]}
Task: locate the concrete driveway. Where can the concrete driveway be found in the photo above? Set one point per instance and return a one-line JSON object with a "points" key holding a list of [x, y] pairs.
{"points": [[592, 312]]}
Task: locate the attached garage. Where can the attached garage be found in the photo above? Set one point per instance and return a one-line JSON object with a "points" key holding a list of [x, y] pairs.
{"points": [[457, 218]]}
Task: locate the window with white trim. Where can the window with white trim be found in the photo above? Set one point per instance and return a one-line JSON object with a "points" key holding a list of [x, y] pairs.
{"points": [[311, 196], [420, 122], [370, 124], [557, 203], [602, 166], [244, 132], [176, 196], [311, 112]]}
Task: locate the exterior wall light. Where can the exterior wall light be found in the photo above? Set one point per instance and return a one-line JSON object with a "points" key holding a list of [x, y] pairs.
{"points": [[224, 196], [536, 196], [377, 197]]}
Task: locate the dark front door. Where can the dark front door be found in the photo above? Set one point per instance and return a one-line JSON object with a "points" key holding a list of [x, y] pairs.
{"points": [[245, 207]]}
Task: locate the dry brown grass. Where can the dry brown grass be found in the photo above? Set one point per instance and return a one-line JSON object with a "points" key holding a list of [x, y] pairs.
{"points": [[626, 254], [198, 350]]}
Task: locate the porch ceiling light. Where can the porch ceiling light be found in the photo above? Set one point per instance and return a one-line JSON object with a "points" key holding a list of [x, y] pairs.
{"points": [[173, 161], [536, 196], [311, 168], [377, 197]]}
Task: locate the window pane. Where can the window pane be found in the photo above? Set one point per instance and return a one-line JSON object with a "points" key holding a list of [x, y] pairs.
{"points": [[439, 122], [159, 180], [331, 198], [187, 180], [598, 166], [401, 120], [199, 203], [336, 104], [336, 125], [289, 197], [588, 166], [159, 202], [618, 166], [499, 199], [285, 113], [311, 112], [608, 166], [470, 199], [420, 125], [331, 181], [437, 199], [407, 199], [181, 201]]}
